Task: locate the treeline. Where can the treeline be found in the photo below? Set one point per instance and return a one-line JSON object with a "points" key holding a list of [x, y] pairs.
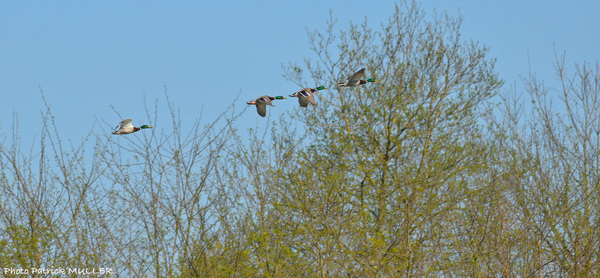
{"points": [[435, 170]]}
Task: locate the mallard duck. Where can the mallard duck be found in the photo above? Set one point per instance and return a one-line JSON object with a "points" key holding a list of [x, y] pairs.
{"points": [[355, 80], [261, 104], [306, 96], [125, 127]]}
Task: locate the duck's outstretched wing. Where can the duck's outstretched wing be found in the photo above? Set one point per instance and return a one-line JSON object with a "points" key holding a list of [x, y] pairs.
{"points": [[356, 76], [124, 125], [261, 108], [261, 105], [307, 97]]}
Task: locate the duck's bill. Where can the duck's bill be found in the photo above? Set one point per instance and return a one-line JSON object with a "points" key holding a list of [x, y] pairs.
{"points": [[250, 102]]}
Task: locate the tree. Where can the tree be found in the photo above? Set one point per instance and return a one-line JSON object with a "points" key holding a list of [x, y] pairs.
{"points": [[143, 205], [549, 159], [386, 168]]}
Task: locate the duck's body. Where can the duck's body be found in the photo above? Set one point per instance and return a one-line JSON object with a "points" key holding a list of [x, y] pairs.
{"points": [[262, 102], [306, 96], [355, 80], [126, 127]]}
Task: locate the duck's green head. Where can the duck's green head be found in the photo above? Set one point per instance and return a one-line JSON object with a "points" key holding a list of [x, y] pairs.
{"points": [[320, 88], [279, 97], [145, 126], [371, 80]]}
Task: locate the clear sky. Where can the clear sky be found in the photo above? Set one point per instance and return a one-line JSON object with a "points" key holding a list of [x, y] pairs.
{"points": [[89, 55]]}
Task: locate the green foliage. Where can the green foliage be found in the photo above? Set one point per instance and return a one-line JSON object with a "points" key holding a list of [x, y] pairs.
{"points": [[389, 163]]}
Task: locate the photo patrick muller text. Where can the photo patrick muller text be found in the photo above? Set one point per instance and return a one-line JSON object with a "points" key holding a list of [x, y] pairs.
{"points": [[57, 271]]}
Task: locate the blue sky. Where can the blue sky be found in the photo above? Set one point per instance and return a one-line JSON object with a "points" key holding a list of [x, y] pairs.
{"points": [[87, 56]]}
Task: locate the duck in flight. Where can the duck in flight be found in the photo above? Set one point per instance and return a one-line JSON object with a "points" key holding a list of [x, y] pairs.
{"points": [[261, 104], [306, 96], [125, 127], [355, 80]]}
